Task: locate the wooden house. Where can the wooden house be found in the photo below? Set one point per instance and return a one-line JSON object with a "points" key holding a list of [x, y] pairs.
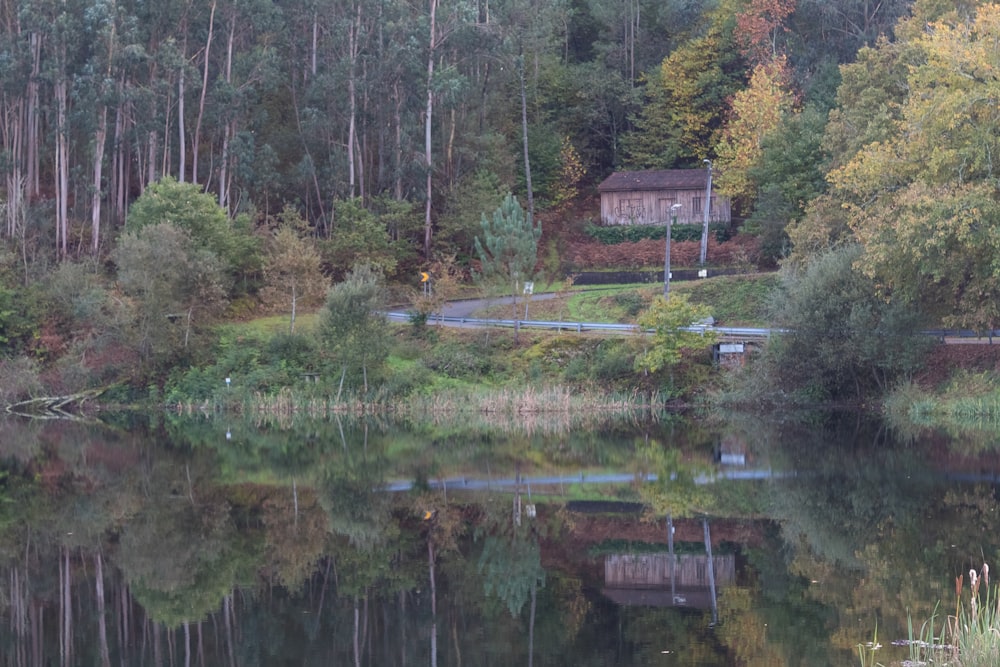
{"points": [[645, 197]]}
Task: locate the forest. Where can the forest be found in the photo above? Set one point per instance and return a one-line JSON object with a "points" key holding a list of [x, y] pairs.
{"points": [[251, 151]]}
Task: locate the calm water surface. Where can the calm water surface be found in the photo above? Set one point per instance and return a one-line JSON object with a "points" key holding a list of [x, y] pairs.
{"points": [[192, 541]]}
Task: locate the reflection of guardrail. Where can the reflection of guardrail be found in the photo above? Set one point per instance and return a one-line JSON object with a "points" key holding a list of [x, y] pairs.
{"points": [[961, 333], [580, 327]]}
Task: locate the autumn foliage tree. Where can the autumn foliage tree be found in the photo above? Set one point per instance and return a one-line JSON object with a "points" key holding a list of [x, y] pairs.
{"points": [[686, 96], [759, 26], [292, 269], [923, 201], [755, 113]]}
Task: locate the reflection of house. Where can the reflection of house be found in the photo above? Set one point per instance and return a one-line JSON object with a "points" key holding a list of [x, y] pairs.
{"points": [[631, 579], [645, 197], [731, 451]]}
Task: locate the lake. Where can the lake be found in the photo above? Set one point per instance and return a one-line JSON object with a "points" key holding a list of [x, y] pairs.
{"points": [[652, 540]]}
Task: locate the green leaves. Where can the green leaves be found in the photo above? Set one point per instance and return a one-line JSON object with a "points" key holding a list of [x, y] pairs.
{"points": [[843, 338], [667, 317], [508, 247], [922, 199], [187, 207], [350, 323]]}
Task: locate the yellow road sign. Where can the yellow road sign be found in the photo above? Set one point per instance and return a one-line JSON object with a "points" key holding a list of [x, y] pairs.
{"points": [[424, 276]]}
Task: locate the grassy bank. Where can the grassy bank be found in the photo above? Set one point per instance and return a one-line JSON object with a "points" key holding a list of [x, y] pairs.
{"points": [[433, 370]]}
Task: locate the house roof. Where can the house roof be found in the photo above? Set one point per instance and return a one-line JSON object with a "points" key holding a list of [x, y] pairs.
{"points": [[660, 179]]}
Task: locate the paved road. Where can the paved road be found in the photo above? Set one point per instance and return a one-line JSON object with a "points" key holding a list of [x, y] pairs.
{"points": [[466, 307]]}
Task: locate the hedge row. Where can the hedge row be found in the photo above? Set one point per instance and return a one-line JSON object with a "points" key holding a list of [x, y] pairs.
{"points": [[615, 234]]}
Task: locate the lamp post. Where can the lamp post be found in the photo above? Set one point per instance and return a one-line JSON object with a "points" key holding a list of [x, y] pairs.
{"points": [[708, 208], [672, 218]]}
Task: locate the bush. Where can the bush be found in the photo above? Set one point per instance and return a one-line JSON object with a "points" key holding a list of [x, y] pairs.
{"points": [[631, 302], [615, 234], [457, 361], [18, 380]]}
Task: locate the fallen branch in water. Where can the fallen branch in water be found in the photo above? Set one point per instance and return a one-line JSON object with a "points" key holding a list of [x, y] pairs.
{"points": [[52, 405]]}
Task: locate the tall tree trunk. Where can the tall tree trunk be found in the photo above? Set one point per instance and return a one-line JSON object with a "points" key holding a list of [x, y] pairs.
{"points": [[229, 128], [524, 137], [531, 624], [431, 567], [62, 161], [315, 43], [153, 143], [32, 115], [428, 158], [397, 146], [181, 139], [201, 99], [102, 624], [119, 160], [352, 99], [357, 628], [100, 135], [66, 615]]}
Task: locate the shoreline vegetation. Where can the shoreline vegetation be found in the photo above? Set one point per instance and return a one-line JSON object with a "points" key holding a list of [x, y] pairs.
{"points": [[440, 373]]}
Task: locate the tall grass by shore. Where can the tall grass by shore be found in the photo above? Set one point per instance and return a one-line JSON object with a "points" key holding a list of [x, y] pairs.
{"points": [[968, 407], [529, 409], [968, 638]]}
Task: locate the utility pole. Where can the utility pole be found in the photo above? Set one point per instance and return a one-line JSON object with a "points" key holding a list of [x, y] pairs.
{"points": [[672, 218], [708, 209]]}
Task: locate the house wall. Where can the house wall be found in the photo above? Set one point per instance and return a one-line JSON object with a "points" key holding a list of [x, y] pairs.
{"points": [[652, 207]]}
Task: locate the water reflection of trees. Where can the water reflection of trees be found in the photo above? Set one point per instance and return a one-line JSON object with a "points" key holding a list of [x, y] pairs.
{"points": [[281, 543]]}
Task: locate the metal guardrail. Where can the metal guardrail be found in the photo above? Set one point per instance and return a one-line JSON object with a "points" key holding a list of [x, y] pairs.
{"points": [[747, 333], [580, 327]]}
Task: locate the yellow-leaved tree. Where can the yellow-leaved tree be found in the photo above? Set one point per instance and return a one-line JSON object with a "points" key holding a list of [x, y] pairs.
{"points": [[755, 112], [924, 201]]}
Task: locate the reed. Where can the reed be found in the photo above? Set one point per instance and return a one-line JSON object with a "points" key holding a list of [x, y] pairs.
{"points": [[975, 628], [866, 652], [531, 410], [970, 637]]}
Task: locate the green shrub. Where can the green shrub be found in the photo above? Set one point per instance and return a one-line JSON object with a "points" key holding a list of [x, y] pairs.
{"points": [[632, 302], [614, 234], [458, 361], [294, 351]]}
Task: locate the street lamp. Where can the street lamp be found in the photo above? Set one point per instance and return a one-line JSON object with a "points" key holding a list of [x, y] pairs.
{"points": [[671, 220], [708, 208]]}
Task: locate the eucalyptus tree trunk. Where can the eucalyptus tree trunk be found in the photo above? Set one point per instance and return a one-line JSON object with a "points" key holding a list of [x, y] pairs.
{"points": [[100, 135], [12, 128], [397, 141], [102, 625], [229, 129], [315, 43], [428, 158], [66, 610], [181, 140], [119, 159], [196, 140], [353, 35], [431, 568], [524, 137], [32, 115], [61, 94]]}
